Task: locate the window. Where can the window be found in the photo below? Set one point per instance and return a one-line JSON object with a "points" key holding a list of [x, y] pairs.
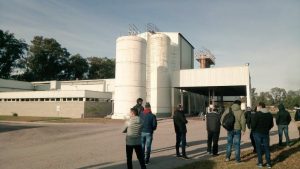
{"points": [[80, 99], [69, 99], [31, 100], [52, 99], [57, 99], [42, 99], [64, 99], [75, 99]]}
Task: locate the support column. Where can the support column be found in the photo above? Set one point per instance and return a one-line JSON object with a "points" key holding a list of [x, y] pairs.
{"points": [[248, 90]]}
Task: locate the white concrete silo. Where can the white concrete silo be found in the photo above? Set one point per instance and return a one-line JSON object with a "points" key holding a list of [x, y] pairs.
{"points": [[160, 96], [130, 77]]}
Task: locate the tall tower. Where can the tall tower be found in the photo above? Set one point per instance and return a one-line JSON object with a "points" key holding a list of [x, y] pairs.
{"points": [[205, 58]]}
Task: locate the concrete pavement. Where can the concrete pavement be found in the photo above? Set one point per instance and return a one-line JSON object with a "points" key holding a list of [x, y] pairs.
{"points": [[93, 146]]}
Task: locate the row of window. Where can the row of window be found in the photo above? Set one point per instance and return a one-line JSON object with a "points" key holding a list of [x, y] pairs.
{"points": [[53, 99]]}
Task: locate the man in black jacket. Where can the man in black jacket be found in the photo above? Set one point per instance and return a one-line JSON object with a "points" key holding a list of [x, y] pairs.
{"points": [[249, 115], [297, 117], [283, 119], [180, 130], [139, 106], [261, 125], [213, 126]]}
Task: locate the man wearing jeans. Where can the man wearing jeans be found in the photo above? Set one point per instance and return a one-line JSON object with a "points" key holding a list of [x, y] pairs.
{"points": [[261, 125], [283, 119], [149, 125], [133, 130], [180, 130], [234, 136]]}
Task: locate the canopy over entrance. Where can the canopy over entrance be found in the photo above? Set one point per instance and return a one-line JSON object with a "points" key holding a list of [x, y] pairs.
{"points": [[228, 81]]}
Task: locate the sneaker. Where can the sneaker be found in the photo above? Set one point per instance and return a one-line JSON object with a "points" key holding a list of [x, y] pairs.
{"points": [[147, 162], [215, 155], [259, 165], [178, 155], [227, 159], [269, 166], [185, 157]]}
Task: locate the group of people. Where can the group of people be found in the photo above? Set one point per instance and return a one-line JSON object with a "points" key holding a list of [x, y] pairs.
{"points": [[139, 133], [142, 123]]}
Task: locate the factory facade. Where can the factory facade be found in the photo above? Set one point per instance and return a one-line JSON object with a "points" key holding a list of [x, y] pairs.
{"points": [[155, 66]]}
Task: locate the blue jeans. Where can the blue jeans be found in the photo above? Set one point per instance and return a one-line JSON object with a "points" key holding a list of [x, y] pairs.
{"points": [[262, 141], [146, 144], [285, 129], [234, 138]]}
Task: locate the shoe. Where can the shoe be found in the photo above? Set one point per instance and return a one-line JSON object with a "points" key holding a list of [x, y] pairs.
{"points": [[147, 162], [259, 165], [269, 166], [209, 153], [227, 159], [185, 157], [178, 155]]}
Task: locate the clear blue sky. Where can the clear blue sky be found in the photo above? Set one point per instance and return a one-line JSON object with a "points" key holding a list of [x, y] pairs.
{"points": [[265, 33]]}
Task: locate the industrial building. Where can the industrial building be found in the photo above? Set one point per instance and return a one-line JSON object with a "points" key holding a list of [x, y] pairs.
{"points": [[156, 66]]}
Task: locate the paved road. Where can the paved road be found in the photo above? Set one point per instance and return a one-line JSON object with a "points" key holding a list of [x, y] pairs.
{"points": [[89, 146]]}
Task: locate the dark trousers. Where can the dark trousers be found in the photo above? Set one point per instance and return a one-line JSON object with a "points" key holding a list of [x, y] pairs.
{"points": [[180, 138], [252, 141], [212, 138], [262, 143], [139, 155]]}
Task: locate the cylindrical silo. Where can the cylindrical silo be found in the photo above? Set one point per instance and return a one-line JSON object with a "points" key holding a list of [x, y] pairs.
{"points": [[130, 77], [160, 76]]}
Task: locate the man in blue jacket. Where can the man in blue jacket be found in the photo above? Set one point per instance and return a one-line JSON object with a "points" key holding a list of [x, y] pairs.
{"points": [[149, 125]]}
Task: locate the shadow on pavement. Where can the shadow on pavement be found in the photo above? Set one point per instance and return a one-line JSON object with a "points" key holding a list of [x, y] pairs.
{"points": [[11, 127]]}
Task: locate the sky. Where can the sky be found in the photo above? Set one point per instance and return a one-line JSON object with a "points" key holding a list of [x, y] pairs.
{"points": [[264, 33]]}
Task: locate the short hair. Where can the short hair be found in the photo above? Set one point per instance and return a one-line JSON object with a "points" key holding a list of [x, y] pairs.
{"points": [[262, 104], [237, 102], [139, 100], [134, 111], [179, 106], [147, 105]]}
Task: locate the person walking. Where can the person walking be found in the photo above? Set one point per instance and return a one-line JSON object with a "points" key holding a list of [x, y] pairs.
{"points": [[133, 130], [139, 106], [249, 115], [297, 117], [239, 127], [180, 130], [213, 126], [261, 124], [149, 125], [283, 119]]}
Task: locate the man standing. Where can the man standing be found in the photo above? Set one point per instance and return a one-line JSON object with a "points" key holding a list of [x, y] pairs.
{"points": [[297, 117], [149, 125], [249, 115], [283, 119], [180, 130], [133, 139], [234, 136], [261, 125], [139, 106], [213, 125]]}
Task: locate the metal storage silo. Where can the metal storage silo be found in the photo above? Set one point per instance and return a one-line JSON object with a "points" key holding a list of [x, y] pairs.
{"points": [[130, 77], [160, 76]]}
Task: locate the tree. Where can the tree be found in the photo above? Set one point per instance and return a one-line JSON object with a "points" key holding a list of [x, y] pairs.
{"points": [[47, 60], [78, 67], [11, 51], [278, 94], [101, 68]]}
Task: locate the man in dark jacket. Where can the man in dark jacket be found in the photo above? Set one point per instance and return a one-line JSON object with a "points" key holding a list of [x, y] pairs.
{"points": [[139, 105], [283, 119], [149, 125], [261, 124], [297, 117], [249, 115], [180, 130], [213, 126]]}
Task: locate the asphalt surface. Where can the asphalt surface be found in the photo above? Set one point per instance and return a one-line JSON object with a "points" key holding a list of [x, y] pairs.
{"points": [[93, 146]]}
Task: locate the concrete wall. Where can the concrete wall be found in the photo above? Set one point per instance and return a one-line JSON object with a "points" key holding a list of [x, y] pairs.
{"points": [[97, 109], [43, 109], [57, 109], [13, 85]]}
